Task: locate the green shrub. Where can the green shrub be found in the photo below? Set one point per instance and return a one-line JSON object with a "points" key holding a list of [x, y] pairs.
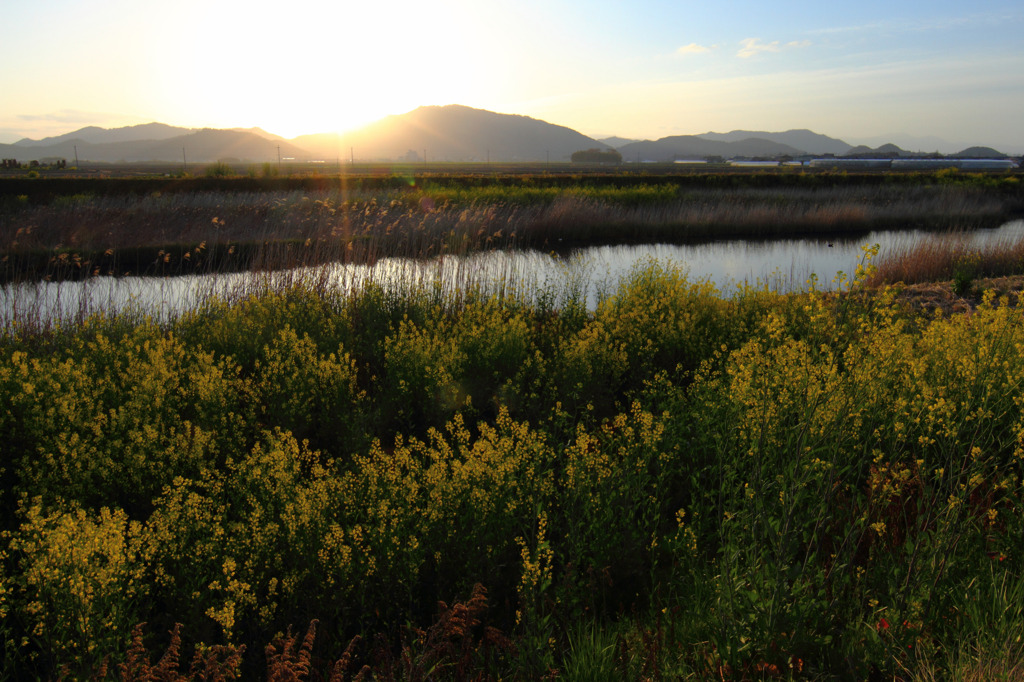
{"points": [[315, 396], [219, 170]]}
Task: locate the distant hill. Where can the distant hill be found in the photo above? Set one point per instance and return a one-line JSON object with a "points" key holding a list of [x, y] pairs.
{"points": [[979, 153], [681, 147], [201, 146], [452, 133], [95, 135], [860, 151], [890, 150], [616, 142], [442, 133], [260, 132], [807, 141], [211, 144], [916, 143], [885, 151], [893, 151]]}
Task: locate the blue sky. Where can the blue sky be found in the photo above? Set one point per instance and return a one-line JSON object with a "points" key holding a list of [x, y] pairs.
{"points": [[866, 71]]}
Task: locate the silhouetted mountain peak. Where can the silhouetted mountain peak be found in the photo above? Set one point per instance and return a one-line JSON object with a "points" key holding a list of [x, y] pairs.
{"points": [[616, 142], [680, 147], [979, 153], [806, 141], [97, 135], [259, 132], [453, 132]]}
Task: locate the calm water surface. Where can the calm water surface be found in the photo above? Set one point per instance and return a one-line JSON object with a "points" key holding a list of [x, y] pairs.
{"points": [[785, 264]]}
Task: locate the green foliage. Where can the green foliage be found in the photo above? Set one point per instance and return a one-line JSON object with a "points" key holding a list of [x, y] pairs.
{"points": [[418, 387], [78, 589], [678, 483], [315, 396], [219, 170], [112, 420], [964, 272]]}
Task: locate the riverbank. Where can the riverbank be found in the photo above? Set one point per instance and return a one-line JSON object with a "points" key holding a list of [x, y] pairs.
{"points": [[125, 228], [941, 297], [678, 484]]}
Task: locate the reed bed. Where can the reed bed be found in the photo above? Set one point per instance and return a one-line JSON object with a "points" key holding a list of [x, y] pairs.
{"points": [[949, 256], [157, 234]]}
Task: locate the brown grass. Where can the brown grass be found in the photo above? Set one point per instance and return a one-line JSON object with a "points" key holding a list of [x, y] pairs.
{"points": [[456, 647], [211, 664], [932, 298], [944, 257], [221, 231]]}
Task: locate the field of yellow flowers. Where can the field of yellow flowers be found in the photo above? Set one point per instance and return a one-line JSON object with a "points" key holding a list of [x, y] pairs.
{"points": [[407, 486]]}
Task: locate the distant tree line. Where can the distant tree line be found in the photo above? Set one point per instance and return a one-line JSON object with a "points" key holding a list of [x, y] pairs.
{"points": [[15, 164], [605, 156]]}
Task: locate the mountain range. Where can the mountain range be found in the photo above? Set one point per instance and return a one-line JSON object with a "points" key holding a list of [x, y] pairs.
{"points": [[430, 133]]}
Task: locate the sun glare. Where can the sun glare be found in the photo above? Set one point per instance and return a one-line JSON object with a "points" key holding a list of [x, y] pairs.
{"points": [[327, 66]]}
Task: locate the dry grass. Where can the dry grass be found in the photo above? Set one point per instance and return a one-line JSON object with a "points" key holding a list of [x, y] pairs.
{"points": [[217, 663], [939, 297], [222, 231], [944, 256], [977, 665]]}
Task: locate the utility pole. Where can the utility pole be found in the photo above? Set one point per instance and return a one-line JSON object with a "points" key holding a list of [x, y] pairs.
{"points": [[76, 156]]}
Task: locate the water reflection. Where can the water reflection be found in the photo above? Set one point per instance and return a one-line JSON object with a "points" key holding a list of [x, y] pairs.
{"points": [[785, 264]]}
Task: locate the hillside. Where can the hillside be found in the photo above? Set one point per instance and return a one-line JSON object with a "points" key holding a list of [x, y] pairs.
{"points": [[616, 142], [201, 146], [678, 147], [806, 140], [95, 135], [453, 133], [979, 153]]}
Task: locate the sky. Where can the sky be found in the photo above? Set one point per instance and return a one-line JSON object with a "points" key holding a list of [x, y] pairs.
{"points": [[639, 69]]}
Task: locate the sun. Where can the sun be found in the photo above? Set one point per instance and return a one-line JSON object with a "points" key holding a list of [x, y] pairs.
{"points": [[328, 66]]}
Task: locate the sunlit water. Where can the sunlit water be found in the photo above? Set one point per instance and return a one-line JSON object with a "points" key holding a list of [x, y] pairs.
{"points": [[785, 264]]}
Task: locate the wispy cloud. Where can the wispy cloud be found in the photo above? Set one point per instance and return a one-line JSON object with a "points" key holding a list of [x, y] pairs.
{"points": [[941, 23], [694, 48], [753, 46], [66, 116]]}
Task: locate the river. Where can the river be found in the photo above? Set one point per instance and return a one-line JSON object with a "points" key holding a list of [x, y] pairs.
{"points": [[784, 264]]}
